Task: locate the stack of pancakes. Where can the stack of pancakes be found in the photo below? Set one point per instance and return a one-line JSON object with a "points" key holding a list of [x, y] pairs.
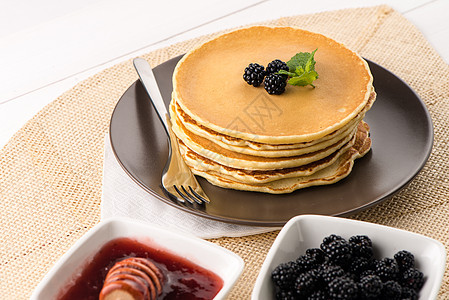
{"points": [[240, 137]]}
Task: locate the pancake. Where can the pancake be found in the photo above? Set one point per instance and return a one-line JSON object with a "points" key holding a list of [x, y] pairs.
{"points": [[233, 159], [333, 173], [260, 149], [201, 163], [232, 142], [208, 86], [182, 130], [238, 136]]}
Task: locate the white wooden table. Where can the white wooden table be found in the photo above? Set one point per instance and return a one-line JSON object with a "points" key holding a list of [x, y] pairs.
{"points": [[48, 46]]}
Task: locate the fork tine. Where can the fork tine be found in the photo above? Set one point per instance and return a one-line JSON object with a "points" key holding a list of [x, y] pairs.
{"points": [[197, 200], [182, 195], [189, 195], [204, 200]]}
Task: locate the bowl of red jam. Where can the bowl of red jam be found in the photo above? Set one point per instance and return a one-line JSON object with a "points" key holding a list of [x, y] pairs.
{"points": [[188, 267]]}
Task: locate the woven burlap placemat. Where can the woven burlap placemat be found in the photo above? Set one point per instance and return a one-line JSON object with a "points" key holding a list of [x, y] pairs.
{"points": [[51, 169]]}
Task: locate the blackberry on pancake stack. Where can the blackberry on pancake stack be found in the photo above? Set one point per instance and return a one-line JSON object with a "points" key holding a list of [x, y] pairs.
{"points": [[238, 136]]}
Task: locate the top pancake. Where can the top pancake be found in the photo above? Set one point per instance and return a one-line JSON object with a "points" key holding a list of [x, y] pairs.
{"points": [[208, 86]]}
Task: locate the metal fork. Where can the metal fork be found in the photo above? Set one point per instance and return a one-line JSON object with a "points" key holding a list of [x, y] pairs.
{"points": [[177, 178]]}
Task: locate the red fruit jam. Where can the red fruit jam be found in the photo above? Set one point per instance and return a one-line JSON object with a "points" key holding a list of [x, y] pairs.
{"points": [[182, 278]]}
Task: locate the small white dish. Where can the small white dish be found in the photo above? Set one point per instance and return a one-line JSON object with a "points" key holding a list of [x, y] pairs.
{"points": [[224, 263], [308, 231]]}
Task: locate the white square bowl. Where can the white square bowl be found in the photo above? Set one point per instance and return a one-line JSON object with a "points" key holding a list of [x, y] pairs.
{"points": [[224, 263], [308, 231]]}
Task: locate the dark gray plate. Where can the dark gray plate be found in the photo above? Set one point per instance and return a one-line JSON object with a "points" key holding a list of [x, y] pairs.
{"points": [[401, 131]]}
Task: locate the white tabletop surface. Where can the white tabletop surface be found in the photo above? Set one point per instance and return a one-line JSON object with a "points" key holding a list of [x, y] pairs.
{"points": [[48, 46]]}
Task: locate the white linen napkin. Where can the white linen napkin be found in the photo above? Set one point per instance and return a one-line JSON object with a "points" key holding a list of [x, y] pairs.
{"points": [[122, 197]]}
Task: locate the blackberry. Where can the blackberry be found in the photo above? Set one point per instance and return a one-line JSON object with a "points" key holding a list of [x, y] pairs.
{"points": [[305, 264], [361, 246], [359, 265], [367, 272], [275, 84], [318, 275], [328, 239], [324, 246], [316, 255], [284, 275], [286, 295], [318, 295], [347, 269], [370, 287], [276, 65], [391, 290], [306, 284], [338, 252], [329, 273], [412, 278], [313, 258], [386, 269], [343, 288], [254, 74], [405, 260], [408, 294]]}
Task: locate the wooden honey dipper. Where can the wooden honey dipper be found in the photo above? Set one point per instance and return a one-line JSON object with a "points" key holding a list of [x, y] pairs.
{"points": [[132, 279]]}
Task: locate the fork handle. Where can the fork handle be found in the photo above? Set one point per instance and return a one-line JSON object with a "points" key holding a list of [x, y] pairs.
{"points": [[148, 80]]}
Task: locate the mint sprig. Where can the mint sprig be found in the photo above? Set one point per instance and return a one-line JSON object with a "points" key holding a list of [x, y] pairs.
{"points": [[301, 69]]}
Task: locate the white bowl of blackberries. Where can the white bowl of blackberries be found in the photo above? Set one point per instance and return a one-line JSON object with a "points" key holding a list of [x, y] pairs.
{"points": [[320, 257]]}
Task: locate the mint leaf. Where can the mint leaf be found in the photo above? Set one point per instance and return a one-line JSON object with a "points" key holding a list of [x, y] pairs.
{"points": [[305, 79], [290, 74], [302, 69], [300, 59]]}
